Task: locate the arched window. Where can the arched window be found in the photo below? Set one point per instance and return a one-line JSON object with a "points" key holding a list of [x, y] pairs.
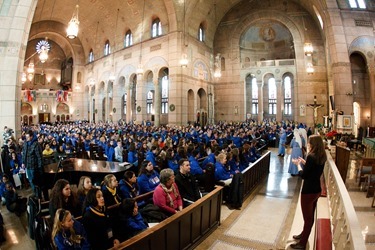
{"points": [[164, 95], [107, 48], [272, 95], [287, 96], [254, 96], [128, 39], [156, 28], [201, 33], [91, 56], [357, 4], [150, 101]]}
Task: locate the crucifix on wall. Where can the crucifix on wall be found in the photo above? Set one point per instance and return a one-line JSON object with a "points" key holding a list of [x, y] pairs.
{"points": [[315, 106]]}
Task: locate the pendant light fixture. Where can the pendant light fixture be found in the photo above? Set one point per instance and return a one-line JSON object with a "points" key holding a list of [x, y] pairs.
{"points": [[72, 30]]}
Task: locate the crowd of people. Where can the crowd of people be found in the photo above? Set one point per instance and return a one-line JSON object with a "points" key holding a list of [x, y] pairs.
{"points": [[177, 163]]}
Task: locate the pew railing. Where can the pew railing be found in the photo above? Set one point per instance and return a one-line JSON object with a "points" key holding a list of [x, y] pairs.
{"points": [[183, 230], [257, 170], [346, 230]]}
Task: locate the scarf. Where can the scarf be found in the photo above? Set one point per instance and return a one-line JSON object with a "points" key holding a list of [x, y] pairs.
{"points": [[97, 212], [168, 191], [132, 188], [113, 192]]}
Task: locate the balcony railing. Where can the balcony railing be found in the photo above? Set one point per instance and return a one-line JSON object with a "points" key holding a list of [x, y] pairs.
{"points": [[268, 63], [346, 230]]}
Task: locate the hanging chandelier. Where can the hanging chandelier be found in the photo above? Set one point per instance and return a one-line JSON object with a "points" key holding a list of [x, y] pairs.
{"points": [[72, 30]]}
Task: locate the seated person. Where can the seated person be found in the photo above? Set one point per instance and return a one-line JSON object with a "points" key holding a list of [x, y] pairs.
{"points": [[68, 233], [63, 197], [128, 185], [4, 180], [84, 186], [166, 195], [222, 173], [131, 221], [110, 192], [148, 178], [47, 150], [96, 221], [186, 183], [14, 203]]}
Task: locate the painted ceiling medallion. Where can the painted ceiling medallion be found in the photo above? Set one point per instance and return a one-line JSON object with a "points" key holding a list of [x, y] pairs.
{"points": [[267, 33]]}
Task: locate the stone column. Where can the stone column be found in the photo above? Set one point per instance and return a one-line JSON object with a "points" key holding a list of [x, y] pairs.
{"points": [[141, 100], [371, 75], [15, 25], [129, 102], [157, 101], [211, 111], [260, 101], [279, 101]]}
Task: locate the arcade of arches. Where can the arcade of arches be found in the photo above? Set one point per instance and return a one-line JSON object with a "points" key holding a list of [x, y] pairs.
{"points": [[257, 48]]}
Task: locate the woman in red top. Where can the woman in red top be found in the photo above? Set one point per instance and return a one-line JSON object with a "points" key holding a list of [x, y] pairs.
{"points": [[166, 195]]}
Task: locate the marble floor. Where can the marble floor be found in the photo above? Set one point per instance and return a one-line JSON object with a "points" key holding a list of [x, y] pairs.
{"points": [[274, 202], [276, 206]]}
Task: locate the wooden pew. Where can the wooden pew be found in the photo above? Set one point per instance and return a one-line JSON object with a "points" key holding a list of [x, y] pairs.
{"points": [[255, 173], [183, 230]]}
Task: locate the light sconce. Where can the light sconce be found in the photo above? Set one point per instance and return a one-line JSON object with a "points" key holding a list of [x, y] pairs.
{"points": [[217, 64], [184, 60], [30, 69], [308, 48], [23, 78], [72, 30], [140, 69], [350, 93], [310, 69]]}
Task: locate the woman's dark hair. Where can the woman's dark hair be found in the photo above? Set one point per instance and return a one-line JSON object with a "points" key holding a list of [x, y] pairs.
{"points": [[57, 198], [127, 206], [169, 154], [91, 200], [143, 169], [317, 149], [128, 175], [132, 147]]}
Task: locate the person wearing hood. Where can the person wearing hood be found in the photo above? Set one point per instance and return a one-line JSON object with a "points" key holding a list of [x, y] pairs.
{"points": [[296, 146], [32, 161]]}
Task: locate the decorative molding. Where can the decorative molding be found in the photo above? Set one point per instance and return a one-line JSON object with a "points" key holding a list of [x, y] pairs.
{"points": [[155, 47], [341, 64], [127, 56]]}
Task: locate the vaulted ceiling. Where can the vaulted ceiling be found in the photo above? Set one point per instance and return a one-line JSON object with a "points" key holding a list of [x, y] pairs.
{"points": [[109, 19]]}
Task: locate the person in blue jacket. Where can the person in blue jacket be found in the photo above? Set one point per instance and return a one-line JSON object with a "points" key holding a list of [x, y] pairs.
{"points": [[132, 154], [172, 161], [130, 220], [151, 156], [148, 178], [282, 141], [68, 233], [221, 172]]}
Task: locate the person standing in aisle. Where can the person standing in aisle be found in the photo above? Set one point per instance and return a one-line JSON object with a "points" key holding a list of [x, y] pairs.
{"points": [[32, 161], [311, 189]]}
